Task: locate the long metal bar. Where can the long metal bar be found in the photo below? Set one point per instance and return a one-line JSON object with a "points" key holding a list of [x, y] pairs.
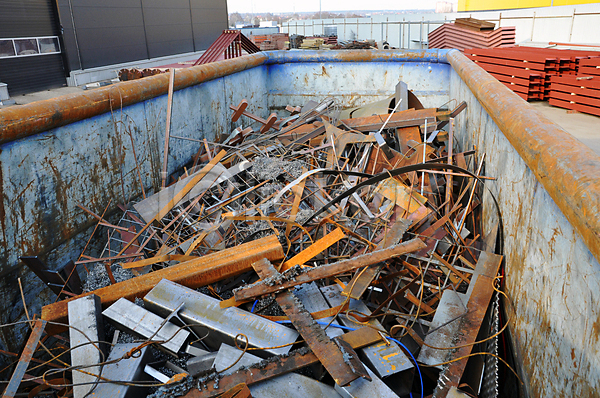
{"points": [[325, 271], [477, 307], [332, 357], [194, 273], [26, 355]]}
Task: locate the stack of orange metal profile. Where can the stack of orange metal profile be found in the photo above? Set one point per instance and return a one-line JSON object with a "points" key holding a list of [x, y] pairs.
{"points": [[566, 78], [471, 33], [580, 92]]}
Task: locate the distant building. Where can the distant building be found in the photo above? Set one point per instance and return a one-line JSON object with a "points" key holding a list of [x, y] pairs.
{"points": [[445, 7], [268, 24], [45, 43]]}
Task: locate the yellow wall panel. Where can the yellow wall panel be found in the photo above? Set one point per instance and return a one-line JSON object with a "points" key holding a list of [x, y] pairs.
{"points": [[573, 2], [483, 5]]}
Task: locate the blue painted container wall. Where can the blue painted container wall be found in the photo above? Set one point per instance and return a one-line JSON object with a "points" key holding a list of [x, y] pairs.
{"points": [[551, 275]]}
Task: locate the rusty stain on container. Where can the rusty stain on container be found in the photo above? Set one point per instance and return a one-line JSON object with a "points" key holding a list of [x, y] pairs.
{"points": [[23, 121], [566, 169]]}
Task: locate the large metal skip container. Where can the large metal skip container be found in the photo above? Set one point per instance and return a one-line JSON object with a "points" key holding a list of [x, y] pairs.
{"points": [[77, 149]]}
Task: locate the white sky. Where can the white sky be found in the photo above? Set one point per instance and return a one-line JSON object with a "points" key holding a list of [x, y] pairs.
{"points": [[263, 6]]}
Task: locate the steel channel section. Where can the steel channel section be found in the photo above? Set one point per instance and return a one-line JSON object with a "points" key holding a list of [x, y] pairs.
{"points": [[222, 324], [385, 359], [444, 327], [128, 370], [294, 385], [201, 364], [548, 192], [137, 320], [86, 326]]}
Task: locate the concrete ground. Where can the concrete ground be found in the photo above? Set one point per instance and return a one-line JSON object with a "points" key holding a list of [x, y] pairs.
{"points": [[43, 95], [54, 92], [584, 127]]}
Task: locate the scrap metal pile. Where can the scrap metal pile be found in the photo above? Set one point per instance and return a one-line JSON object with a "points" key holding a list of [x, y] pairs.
{"points": [[320, 254]]}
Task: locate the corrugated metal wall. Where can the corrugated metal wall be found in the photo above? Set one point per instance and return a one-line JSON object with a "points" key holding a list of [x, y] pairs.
{"points": [[29, 74], [20, 18], [99, 33], [30, 18]]}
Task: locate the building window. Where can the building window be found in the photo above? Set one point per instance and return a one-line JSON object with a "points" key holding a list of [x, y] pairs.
{"points": [[49, 45], [29, 46], [7, 48], [26, 47]]}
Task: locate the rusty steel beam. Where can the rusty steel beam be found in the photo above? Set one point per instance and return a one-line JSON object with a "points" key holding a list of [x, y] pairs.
{"points": [[193, 274], [399, 119], [471, 323], [291, 279], [313, 250], [295, 360], [566, 168], [26, 355], [22, 121], [337, 363]]}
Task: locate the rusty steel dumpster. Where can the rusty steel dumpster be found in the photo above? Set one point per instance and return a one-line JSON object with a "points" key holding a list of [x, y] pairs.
{"points": [[76, 149]]}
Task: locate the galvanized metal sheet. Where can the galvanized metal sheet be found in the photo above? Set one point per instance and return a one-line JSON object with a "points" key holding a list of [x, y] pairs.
{"points": [[446, 323], [385, 359], [137, 320], [127, 370], [223, 324]]}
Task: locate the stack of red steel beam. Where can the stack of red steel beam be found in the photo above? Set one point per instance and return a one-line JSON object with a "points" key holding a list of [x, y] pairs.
{"points": [[528, 70], [275, 41], [455, 35], [522, 72], [579, 92], [590, 66]]}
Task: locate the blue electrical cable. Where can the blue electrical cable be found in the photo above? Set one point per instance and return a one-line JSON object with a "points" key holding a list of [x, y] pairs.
{"points": [[253, 306], [389, 338], [414, 360]]}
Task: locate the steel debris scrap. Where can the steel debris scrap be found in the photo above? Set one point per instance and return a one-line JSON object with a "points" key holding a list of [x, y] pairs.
{"points": [[324, 251]]}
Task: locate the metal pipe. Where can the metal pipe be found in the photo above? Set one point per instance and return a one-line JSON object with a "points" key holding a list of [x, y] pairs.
{"points": [[37, 117]]}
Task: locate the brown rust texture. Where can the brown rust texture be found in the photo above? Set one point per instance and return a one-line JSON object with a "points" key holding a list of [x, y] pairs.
{"points": [[22, 121], [364, 56], [193, 273], [566, 168]]}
